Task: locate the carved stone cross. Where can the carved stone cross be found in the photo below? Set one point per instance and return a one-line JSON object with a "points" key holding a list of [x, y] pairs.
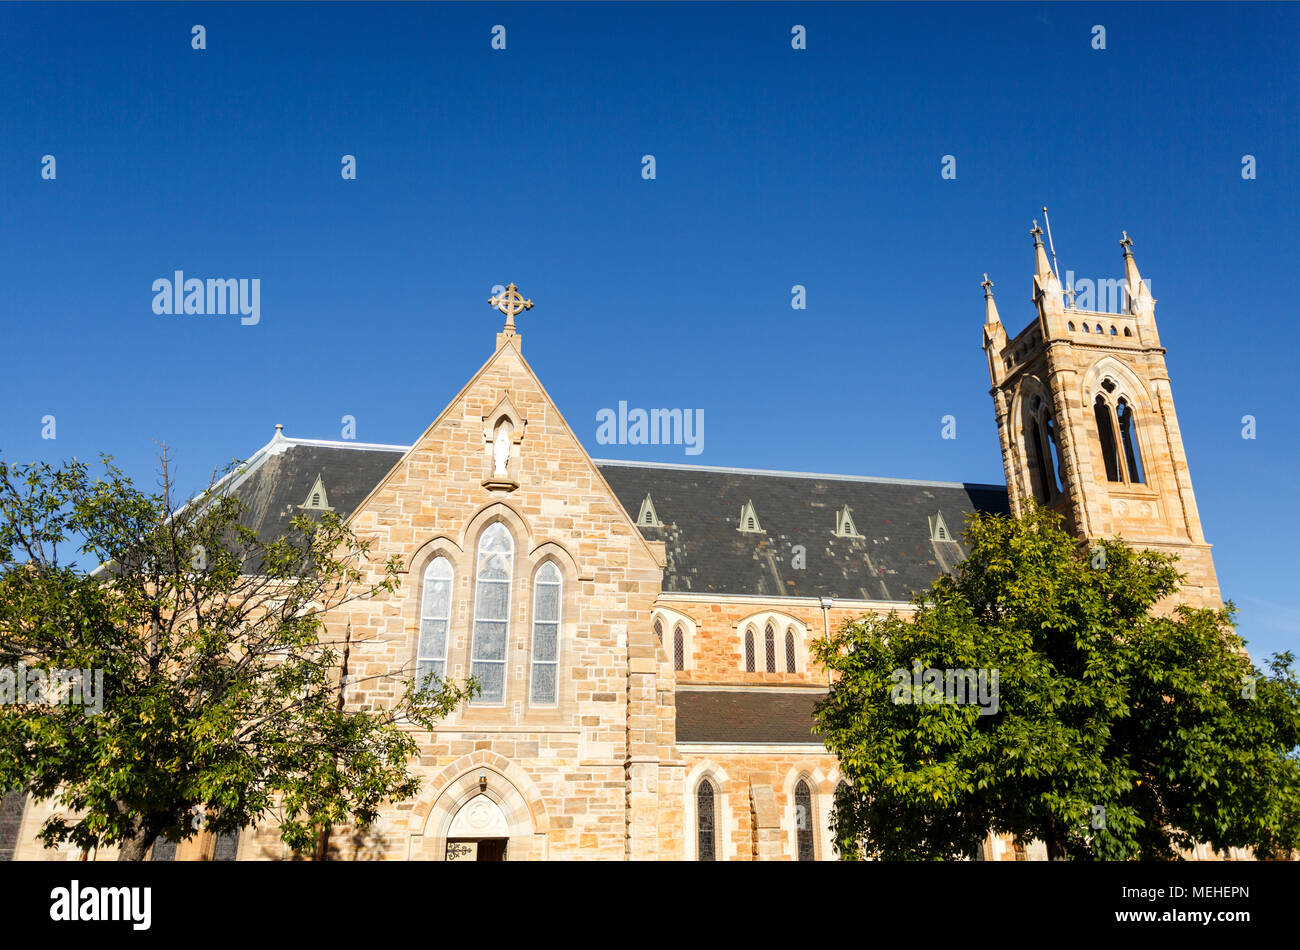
{"points": [[510, 303]]}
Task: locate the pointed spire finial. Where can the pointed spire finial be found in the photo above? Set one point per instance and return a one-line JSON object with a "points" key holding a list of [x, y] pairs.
{"points": [[1042, 269], [1127, 244], [990, 308]]}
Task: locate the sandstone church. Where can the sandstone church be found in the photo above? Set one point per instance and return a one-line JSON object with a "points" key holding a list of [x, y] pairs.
{"points": [[643, 631]]}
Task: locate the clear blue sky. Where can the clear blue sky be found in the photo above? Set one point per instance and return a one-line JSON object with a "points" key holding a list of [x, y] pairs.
{"points": [[774, 168]]}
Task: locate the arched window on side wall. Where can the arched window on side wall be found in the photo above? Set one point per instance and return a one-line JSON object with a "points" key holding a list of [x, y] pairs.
{"points": [[803, 822], [679, 648], [705, 825], [790, 658], [659, 630], [749, 650], [769, 643], [435, 617], [496, 555], [547, 588]]}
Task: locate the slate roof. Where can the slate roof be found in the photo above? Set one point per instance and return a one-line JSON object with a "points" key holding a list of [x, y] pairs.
{"points": [[727, 716], [707, 553], [700, 511], [275, 486]]}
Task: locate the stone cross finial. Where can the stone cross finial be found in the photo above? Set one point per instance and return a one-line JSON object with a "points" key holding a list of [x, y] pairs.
{"points": [[1037, 232], [1126, 243], [510, 303], [987, 285]]}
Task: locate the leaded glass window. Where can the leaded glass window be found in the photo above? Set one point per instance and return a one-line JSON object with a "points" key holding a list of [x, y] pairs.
{"points": [[749, 650], [496, 554], [803, 821], [769, 640], [789, 652], [679, 648], [706, 834], [546, 633], [435, 618], [226, 847]]}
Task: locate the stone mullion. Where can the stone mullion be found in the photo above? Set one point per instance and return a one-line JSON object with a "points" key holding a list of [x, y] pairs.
{"points": [[1009, 453], [1066, 427]]}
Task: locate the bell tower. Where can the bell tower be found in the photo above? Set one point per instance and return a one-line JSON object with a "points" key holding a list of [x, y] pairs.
{"points": [[1087, 424]]}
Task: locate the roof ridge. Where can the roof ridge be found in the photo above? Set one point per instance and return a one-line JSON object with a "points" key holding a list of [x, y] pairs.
{"points": [[343, 444], [765, 471], [287, 441]]}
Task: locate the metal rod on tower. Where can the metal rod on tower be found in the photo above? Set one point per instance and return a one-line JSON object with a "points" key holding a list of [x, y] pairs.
{"points": [[1052, 247]]}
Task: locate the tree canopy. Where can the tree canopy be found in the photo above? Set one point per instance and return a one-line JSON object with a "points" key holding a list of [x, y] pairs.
{"points": [[1105, 725], [222, 701]]}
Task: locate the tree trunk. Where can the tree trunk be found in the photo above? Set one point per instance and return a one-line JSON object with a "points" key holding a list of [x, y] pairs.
{"points": [[136, 847], [322, 850], [1055, 846]]}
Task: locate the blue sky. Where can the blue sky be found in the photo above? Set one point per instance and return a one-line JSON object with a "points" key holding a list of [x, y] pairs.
{"points": [[774, 167]]}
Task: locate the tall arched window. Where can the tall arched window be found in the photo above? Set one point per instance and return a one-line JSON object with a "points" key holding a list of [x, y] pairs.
{"points": [[496, 555], [1054, 455], [706, 834], [803, 822], [1040, 446], [679, 648], [546, 633], [659, 630], [435, 617], [1034, 443], [1128, 436], [769, 642], [1106, 434], [789, 651], [749, 650]]}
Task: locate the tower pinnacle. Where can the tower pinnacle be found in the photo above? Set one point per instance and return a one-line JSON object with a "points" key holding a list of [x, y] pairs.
{"points": [[1041, 267], [990, 308], [1141, 303]]}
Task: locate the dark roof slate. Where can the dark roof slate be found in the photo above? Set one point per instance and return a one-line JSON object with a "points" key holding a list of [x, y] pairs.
{"points": [[700, 511], [707, 553], [760, 715], [274, 489]]}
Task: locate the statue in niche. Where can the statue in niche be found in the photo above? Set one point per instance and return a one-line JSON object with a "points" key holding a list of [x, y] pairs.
{"points": [[501, 451]]}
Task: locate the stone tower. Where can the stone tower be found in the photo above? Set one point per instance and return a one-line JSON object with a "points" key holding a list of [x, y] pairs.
{"points": [[1087, 425]]}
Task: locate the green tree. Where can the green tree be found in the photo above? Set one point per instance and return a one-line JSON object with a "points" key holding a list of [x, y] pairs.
{"points": [[222, 699], [1117, 731]]}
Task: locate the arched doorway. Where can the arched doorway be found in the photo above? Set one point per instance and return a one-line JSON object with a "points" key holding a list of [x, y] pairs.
{"points": [[516, 822], [478, 832]]}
